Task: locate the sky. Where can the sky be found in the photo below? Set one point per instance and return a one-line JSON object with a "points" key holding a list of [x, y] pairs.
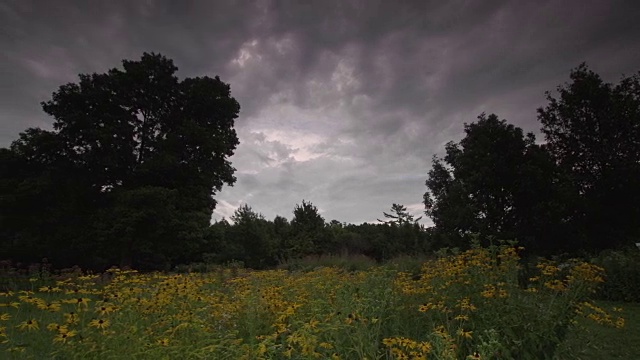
{"points": [[343, 103]]}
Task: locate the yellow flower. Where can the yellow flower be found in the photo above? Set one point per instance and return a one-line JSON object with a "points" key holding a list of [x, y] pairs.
{"points": [[426, 307], [556, 285], [53, 307], [100, 323], [163, 342], [49, 289], [71, 318], [57, 327], [13, 304], [30, 324], [465, 334], [104, 310], [5, 317], [79, 301], [489, 291], [27, 298], [425, 347], [288, 352], [62, 337]]}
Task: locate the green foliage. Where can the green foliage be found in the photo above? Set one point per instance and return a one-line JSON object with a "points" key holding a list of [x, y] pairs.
{"points": [[308, 232], [312, 262], [255, 237], [408, 264], [622, 269], [590, 341]]}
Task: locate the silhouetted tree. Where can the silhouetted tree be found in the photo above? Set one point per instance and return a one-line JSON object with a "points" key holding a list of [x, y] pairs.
{"points": [[145, 150], [254, 235], [491, 183], [401, 216], [592, 129], [309, 235]]}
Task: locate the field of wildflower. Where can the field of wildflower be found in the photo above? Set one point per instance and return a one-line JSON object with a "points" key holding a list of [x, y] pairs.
{"points": [[471, 305]]}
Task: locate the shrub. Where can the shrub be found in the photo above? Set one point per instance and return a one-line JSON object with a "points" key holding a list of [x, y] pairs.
{"points": [[622, 269], [346, 262]]}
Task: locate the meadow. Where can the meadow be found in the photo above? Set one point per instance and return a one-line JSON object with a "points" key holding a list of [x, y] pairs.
{"points": [[469, 305]]}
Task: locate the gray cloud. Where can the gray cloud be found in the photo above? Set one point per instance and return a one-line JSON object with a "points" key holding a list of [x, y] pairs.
{"points": [[343, 102]]}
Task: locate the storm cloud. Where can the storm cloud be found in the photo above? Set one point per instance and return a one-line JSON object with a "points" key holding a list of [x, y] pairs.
{"points": [[343, 103]]}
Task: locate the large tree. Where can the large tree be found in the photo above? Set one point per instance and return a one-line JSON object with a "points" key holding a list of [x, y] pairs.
{"points": [[592, 129], [495, 182], [150, 149]]}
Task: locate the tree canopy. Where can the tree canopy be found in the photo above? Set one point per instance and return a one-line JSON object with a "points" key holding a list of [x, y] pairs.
{"points": [[592, 129], [139, 154], [487, 184]]}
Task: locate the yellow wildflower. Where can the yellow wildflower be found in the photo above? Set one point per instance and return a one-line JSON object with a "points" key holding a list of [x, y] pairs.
{"points": [[62, 337], [71, 318], [57, 327], [465, 334], [30, 324], [99, 323]]}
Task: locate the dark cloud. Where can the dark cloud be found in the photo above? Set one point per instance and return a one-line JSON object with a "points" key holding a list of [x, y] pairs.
{"points": [[343, 102]]}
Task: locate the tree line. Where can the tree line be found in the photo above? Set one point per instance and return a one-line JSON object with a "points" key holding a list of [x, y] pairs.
{"points": [[129, 173]]}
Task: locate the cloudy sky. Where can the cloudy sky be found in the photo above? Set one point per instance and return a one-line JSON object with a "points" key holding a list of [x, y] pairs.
{"points": [[344, 102]]}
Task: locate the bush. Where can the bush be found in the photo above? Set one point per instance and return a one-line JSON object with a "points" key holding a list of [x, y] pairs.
{"points": [[346, 262], [622, 268]]}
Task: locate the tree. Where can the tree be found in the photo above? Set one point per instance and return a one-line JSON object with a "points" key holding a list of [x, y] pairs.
{"points": [[282, 238], [254, 235], [309, 235], [141, 138], [401, 215], [592, 130], [143, 126], [487, 184]]}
